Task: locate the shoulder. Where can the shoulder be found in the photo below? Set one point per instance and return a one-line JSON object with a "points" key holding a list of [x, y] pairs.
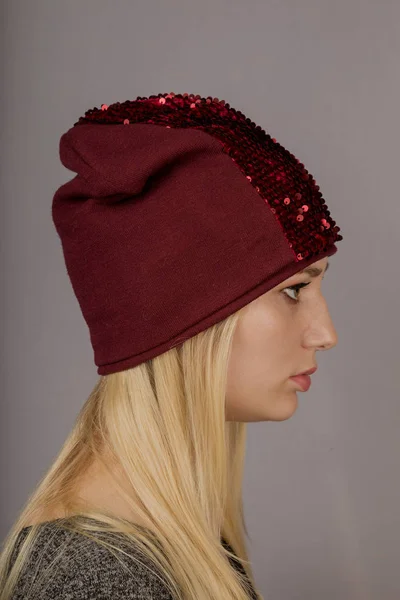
{"points": [[66, 565]]}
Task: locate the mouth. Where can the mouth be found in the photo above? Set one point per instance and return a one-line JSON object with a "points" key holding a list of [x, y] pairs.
{"points": [[303, 381], [309, 372]]}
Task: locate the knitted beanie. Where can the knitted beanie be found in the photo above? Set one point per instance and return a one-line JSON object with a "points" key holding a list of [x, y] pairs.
{"points": [[181, 212]]}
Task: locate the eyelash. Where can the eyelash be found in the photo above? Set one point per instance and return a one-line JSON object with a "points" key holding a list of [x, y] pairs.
{"points": [[297, 289]]}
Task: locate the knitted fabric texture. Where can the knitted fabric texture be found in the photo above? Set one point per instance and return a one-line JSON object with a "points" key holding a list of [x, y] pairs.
{"points": [[85, 569], [181, 212]]}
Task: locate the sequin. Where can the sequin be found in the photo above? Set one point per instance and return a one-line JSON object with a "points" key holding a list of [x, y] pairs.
{"points": [[274, 172]]}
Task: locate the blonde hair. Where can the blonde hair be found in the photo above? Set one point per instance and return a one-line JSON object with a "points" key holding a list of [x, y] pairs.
{"points": [[164, 422]]}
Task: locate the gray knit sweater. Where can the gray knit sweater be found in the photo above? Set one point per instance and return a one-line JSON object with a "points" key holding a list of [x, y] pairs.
{"points": [[87, 570]]}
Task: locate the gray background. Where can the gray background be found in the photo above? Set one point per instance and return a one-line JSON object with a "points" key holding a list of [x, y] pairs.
{"points": [[322, 492]]}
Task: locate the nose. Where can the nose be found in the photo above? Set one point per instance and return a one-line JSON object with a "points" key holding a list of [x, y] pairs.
{"points": [[321, 334], [331, 343]]}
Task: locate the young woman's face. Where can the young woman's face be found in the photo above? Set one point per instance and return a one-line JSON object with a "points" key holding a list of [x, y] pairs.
{"points": [[278, 336]]}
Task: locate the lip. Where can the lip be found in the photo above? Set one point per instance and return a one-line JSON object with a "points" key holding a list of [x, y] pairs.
{"points": [[309, 372], [304, 381]]}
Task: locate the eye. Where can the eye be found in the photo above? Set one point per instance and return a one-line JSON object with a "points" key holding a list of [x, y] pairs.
{"points": [[295, 288]]}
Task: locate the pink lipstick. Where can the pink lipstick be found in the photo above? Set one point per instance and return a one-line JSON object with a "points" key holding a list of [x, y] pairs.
{"points": [[304, 381]]}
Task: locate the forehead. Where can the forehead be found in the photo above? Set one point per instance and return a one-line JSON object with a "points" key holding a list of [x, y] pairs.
{"points": [[313, 270], [321, 264], [316, 269]]}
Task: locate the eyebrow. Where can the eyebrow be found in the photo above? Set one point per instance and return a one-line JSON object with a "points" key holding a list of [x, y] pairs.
{"points": [[313, 271]]}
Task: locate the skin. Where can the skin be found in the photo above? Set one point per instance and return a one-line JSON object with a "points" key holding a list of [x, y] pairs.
{"points": [[277, 338]]}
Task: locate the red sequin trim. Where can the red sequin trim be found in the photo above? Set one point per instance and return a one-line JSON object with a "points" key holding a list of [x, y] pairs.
{"points": [[277, 175]]}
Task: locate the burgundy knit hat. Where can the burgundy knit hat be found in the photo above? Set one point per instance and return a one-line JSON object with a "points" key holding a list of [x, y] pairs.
{"points": [[181, 212]]}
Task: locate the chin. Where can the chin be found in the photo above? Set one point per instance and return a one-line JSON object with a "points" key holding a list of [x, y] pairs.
{"points": [[283, 409], [279, 409]]}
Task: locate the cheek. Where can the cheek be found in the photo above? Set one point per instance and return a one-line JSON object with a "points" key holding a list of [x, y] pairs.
{"points": [[260, 350]]}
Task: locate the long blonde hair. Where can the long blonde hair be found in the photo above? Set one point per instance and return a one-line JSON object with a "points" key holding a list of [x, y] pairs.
{"points": [[164, 422]]}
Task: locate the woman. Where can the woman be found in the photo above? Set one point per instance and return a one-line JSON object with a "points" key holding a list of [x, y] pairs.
{"points": [[195, 245]]}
